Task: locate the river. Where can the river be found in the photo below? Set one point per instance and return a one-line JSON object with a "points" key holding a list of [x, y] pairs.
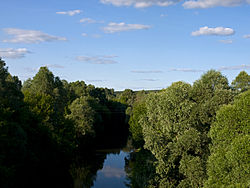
{"points": [[113, 172]]}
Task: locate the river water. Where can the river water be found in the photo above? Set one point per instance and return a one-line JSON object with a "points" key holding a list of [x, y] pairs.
{"points": [[113, 172]]}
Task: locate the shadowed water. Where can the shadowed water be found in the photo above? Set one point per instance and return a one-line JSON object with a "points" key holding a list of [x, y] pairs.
{"points": [[112, 174]]}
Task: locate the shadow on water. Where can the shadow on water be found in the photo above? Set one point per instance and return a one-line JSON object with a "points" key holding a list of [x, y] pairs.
{"points": [[99, 164], [102, 165]]}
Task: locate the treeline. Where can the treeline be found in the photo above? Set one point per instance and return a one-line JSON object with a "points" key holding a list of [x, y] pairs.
{"points": [[192, 135], [47, 125], [184, 136]]}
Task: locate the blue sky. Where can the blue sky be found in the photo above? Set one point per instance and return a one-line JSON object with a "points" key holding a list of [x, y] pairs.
{"points": [[136, 44]]}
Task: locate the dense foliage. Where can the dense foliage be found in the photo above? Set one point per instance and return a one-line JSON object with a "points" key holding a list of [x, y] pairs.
{"points": [[48, 123], [228, 164], [175, 126], [183, 136]]}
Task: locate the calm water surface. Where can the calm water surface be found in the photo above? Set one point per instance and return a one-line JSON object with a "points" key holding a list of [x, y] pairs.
{"points": [[112, 175]]}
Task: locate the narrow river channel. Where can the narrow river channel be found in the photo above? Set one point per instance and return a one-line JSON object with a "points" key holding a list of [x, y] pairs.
{"points": [[113, 172]]}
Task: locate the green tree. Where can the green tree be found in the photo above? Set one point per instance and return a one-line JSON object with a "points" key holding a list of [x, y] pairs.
{"points": [[75, 90], [176, 125], [210, 92], [135, 124], [13, 138], [135, 120], [140, 169], [43, 82], [241, 82], [83, 115], [170, 135], [127, 97], [47, 99], [228, 165]]}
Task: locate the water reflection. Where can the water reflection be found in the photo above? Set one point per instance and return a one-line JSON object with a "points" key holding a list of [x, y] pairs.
{"points": [[100, 169], [112, 174], [84, 169]]}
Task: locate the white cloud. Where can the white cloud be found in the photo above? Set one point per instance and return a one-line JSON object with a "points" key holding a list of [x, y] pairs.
{"points": [[29, 36], [109, 56], [112, 172], [163, 15], [146, 71], [32, 70], [149, 79], [213, 3], [186, 70], [237, 67], [222, 31], [88, 20], [97, 59], [246, 36], [119, 27], [96, 80], [57, 66], [189, 4], [91, 35], [228, 41], [13, 53], [84, 34], [140, 3], [70, 13]]}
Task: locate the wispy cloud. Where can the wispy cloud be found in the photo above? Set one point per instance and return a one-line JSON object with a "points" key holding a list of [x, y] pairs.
{"points": [[228, 41], [246, 36], [84, 34], [213, 3], [109, 56], [57, 66], [149, 79], [186, 70], [13, 53], [32, 70], [88, 20], [96, 80], [97, 59], [146, 71], [219, 31], [189, 4], [140, 3], [237, 67], [119, 27], [112, 172], [163, 15], [70, 12], [148, 88], [91, 35], [29, 36]]}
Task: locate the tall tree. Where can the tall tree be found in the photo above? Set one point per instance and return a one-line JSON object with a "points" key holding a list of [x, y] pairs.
{"points": [[228, 165], [210, 92], [176, 124], [171, 136], [241, 82], [13, 138], [84, 117]]}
